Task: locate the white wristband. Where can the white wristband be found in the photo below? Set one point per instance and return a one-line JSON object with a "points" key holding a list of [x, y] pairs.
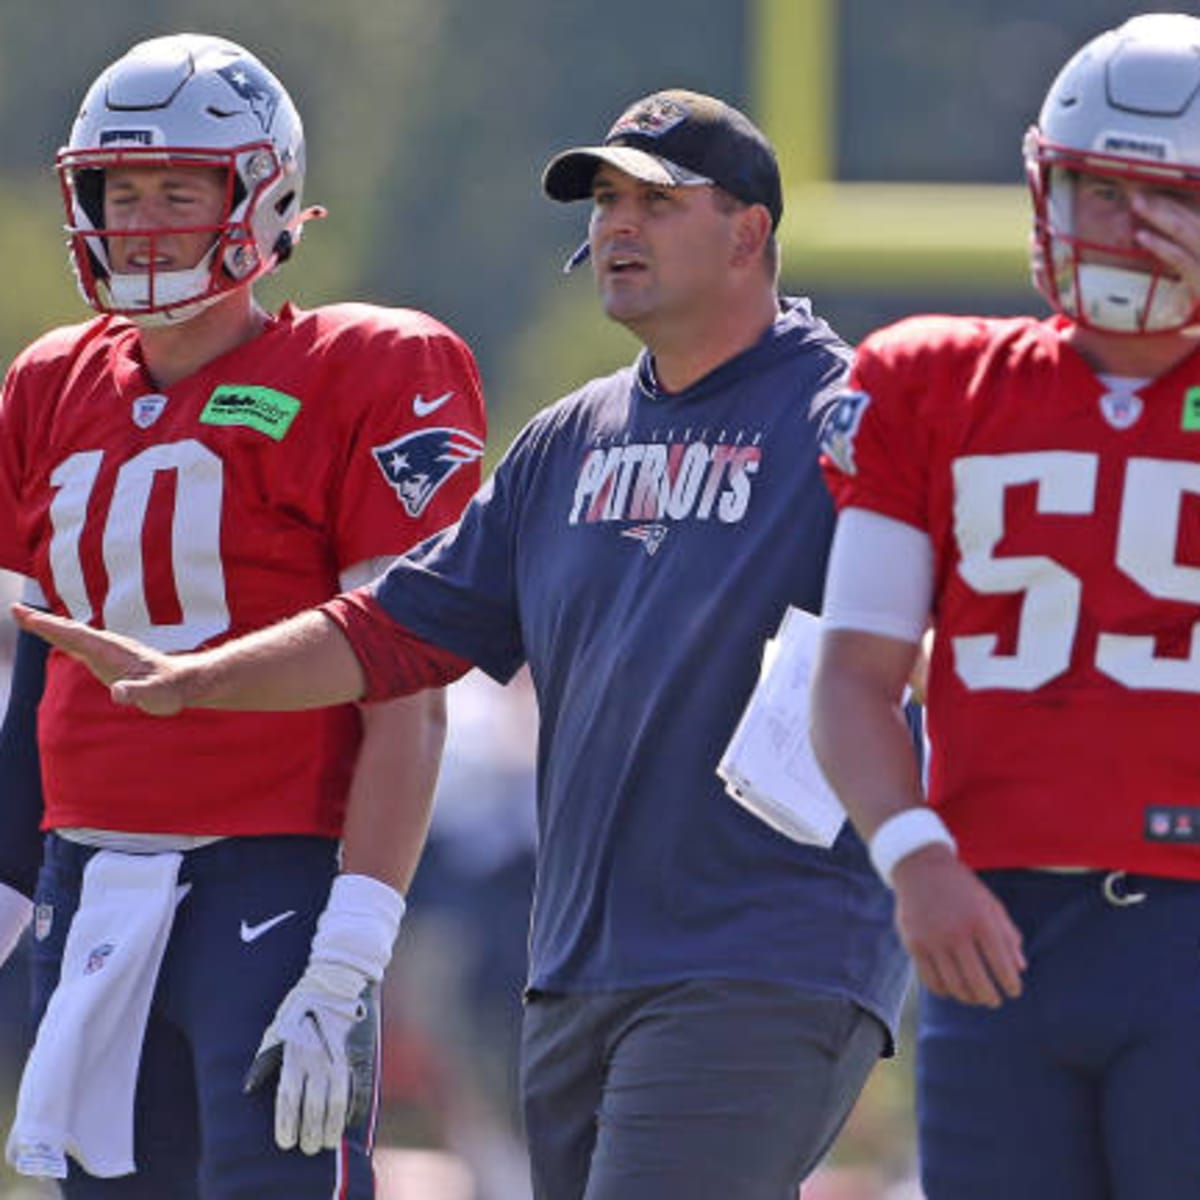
{"points": [[904, 833], [359, 925]]}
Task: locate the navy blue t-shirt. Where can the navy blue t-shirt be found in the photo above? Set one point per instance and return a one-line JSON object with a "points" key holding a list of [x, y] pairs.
{"points": [[636, 549]]}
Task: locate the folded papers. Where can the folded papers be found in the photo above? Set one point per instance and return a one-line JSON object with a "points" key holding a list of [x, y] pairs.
{"points": [[769, 766]]}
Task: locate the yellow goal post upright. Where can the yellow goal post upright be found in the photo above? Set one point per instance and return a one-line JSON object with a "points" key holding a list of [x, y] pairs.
{"points": [[875, 237]]}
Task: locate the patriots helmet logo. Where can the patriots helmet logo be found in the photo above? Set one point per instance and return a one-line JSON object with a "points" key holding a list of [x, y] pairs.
{"points": [[254, 86], [417, 464]]}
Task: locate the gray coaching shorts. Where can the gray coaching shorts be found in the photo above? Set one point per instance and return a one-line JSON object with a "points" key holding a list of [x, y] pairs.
{"points": [[704, 1090]]}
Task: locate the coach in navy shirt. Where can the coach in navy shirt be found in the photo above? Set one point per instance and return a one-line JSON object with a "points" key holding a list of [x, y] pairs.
{"points": [[706, 997]]}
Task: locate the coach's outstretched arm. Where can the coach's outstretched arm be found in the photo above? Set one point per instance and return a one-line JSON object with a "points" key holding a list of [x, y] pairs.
{"points": [[303, 662]]}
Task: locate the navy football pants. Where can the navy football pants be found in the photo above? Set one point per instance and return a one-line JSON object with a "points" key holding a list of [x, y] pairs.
{"points": [[703, 1090], [1088, 1086], [197, 1137]]}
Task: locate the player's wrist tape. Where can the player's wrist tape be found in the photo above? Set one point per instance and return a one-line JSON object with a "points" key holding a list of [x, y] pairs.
{"points": [[905, 833], [359, 925]]}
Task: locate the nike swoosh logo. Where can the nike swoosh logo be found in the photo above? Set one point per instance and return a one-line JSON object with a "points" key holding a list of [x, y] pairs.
{"points": [[251, 933], [423, 407]]}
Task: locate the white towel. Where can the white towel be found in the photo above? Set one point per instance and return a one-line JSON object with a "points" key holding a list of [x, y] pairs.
{"points": [[77, 1091]]}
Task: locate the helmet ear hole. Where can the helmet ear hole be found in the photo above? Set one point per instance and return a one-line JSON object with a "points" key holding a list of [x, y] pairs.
{"points": [[89, 192], [284, 245], [285, 202]]}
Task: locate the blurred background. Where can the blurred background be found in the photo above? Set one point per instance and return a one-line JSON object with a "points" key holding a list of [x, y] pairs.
{"points": [[898, 124]]}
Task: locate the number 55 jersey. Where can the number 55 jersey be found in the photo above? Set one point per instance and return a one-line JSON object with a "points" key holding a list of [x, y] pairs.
{"points": [[1064, 514], [187, 515]]}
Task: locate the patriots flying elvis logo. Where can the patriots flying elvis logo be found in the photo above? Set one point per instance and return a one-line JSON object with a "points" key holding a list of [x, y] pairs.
{"points": [[255, 88], [652, 118], [417, 464], [651, 536], [840, 428]]}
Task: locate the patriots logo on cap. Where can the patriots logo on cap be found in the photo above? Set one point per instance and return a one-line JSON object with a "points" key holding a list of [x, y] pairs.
{"points": [[651, 118], [419, 463], [255, 88]]}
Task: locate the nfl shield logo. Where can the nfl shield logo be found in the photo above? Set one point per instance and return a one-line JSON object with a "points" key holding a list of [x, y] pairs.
{"points": [[1121, 409], [43, 921], [147, 410], [97, 958]]}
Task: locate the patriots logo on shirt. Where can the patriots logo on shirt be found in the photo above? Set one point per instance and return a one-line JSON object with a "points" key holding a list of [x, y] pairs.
{"points": [[651, 536], [255, 88], [417, 464], [841, 427]]}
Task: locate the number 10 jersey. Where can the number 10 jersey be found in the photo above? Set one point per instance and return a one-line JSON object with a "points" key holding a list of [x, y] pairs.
{"points": [[188, 515]]}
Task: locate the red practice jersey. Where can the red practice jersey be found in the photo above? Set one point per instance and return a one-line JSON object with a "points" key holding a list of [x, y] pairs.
{"points": [[1064, 513], [187, 516]]}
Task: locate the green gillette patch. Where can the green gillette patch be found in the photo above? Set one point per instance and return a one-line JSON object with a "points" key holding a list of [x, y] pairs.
{"points": [[1191, 409], [260, 408]]}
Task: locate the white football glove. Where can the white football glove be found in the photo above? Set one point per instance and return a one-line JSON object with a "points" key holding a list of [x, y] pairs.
{"points": [[323, 1087], [306, 1043]]}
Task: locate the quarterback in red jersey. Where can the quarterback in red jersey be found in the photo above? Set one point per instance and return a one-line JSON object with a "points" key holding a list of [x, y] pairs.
{"points": [[1030, 490], [185, 468]]}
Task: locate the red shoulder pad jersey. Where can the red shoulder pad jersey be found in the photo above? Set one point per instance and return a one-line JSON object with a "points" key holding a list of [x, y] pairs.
{"points": [[226, 502], [1064, 693]]}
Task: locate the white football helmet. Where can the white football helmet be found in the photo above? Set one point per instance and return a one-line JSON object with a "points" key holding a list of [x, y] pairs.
{"points": [[185, 100], [1127, 104]]}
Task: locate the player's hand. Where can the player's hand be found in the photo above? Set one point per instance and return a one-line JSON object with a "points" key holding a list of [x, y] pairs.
{"points": [[961, 939], [1173, 236], [320, 1043], [323, 1085], [134, 674]]}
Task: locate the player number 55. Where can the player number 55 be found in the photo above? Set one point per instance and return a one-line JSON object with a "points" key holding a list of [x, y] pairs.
{"points": [[1147, 534]]}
